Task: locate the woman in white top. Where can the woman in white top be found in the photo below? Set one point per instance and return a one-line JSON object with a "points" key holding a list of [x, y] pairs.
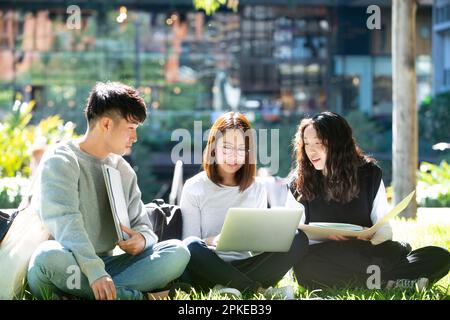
{"points": [[228, 180]]}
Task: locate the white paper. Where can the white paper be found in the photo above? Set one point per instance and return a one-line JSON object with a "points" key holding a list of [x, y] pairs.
{"points": [[322, 230]]}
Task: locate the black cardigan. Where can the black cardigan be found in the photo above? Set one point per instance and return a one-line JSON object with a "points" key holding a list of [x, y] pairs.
{"points": [[356, 211]]}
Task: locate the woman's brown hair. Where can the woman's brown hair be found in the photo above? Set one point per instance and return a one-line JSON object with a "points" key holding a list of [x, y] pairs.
{"points": [[344, 157], [231, 120]]}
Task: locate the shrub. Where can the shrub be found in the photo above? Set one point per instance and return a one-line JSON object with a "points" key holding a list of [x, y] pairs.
{"points": [[11, 191], [433, 186], [434, 117], [17, 140]]}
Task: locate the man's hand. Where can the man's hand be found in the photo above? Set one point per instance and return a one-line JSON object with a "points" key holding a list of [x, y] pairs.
{"points": [[135, 244], [212, 241], [104, 288]]}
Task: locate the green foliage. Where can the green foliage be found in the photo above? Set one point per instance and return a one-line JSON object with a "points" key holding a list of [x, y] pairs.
{"points": [[157, 130], [286, 126], [210, 6], [11, 191], [17, 139], [154, 138], [181, 96], [364, 129], [433, 186], [434, 117], [6, 96]]}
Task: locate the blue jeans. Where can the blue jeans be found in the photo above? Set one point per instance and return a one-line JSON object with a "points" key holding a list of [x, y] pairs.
{"points": [[51, 268], [206, 268]]}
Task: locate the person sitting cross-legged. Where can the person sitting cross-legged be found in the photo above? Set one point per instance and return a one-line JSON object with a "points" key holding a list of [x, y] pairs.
{"points": [[228, 180], [73, 203], [336, 182]]}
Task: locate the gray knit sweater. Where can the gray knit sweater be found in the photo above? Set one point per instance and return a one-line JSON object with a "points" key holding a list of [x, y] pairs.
{"points": [[73, 203]]}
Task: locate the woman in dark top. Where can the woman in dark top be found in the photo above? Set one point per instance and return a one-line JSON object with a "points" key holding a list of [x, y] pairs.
{"points": [[336, 182]]}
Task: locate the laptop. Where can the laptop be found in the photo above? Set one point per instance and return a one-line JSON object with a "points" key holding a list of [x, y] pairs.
{"points": [[259, 229], [117, 201]]}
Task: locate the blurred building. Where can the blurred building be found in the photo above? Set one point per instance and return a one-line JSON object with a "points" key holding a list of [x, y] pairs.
{"points": [[273, 59], [302, 56], [441, 46]]}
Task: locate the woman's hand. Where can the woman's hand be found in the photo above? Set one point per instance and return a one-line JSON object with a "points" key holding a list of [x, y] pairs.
{"points": [[337, 237], [343, 238], [366, 238], [212, 241]]}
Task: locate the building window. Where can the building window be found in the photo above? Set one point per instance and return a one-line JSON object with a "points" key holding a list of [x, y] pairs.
{"points": [[446, 49], [446, 77], [442, 13], [382, 95], [346, 94]]}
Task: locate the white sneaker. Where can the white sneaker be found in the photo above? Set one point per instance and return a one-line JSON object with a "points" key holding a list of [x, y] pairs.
{"points": [[420, 284], [231, 293], [286, 293]]}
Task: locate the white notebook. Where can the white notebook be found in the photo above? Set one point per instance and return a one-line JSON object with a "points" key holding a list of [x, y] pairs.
{"points": [[320, 231], [117, 200]]}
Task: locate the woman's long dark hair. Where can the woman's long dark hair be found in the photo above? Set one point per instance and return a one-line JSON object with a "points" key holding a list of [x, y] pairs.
{"points": [[344, 157]]}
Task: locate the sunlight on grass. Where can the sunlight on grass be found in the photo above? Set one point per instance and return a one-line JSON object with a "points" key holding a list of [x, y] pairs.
{"points": [[421, 235], [417, 235]]}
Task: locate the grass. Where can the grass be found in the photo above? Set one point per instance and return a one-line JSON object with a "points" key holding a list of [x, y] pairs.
{"points": [[417, 235]]}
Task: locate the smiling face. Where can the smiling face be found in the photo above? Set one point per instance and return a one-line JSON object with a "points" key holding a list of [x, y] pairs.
{"points": [[230, 151], [314, 148], [120, 136]]}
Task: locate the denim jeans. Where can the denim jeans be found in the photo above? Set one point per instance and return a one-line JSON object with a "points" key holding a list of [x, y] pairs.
{"points": [[206, 268], [52, 265]]}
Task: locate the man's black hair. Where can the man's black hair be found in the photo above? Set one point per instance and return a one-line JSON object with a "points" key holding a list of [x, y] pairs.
{"points": [[114, 98]]}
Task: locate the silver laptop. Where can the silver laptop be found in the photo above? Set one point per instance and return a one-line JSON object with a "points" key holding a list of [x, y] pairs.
{"points": [[259, 229]]}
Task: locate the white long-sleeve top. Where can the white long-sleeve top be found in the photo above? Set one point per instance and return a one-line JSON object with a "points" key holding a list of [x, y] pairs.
{"points": [[204, 206]]}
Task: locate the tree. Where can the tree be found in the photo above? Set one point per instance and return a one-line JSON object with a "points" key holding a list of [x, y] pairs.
{"points": [[211, 6], [404, 116]]}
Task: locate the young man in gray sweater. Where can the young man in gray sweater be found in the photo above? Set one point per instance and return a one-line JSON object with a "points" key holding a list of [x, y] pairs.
{"points": [[73, 203]]}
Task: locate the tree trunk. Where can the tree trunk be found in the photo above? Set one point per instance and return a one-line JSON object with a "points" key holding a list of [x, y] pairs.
{"points": [[404, 114]]}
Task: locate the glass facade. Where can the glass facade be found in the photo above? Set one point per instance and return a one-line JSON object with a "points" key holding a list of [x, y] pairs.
{"points": [[263, 56], [274, 62]]}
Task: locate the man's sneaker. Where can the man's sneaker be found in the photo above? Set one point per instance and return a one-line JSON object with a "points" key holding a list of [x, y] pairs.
{"points": [[231, 293], [286, 293], [403, 284]]}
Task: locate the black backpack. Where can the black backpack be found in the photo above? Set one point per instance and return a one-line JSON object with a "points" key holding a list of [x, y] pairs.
{"points": [[166, 219], [6, 221]]}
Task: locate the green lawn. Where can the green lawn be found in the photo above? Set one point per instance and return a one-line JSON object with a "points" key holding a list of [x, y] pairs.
{"points": [[418, 235]]}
